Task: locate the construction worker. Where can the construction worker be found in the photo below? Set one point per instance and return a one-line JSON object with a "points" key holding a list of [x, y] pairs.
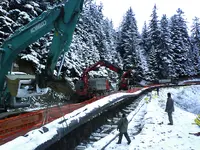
{"points": [[169, 108], [157, 89], [122, 127]]}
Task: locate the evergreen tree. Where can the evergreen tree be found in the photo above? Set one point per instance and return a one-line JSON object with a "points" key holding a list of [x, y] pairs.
{"points": [[83, 51], [96, 27], [141, 64], [195, 40], [166, 52], [154, 35], [111, 42], [145, 39], [153, 62], [146, 50], [94, 39], [181, 44], [128, 40], [16, 14]]}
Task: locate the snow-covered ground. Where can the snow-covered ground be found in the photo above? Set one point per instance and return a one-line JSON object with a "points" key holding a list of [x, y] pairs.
{"points": [[155, 134]]}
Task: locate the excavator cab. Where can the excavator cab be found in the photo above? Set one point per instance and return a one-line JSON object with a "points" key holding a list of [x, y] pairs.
{"points": [[23, 85]]}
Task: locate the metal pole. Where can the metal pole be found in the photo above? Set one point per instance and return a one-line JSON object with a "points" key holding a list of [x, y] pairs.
{"points": [[63, 59]]}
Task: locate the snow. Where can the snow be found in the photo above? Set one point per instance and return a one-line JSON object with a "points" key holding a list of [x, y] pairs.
{"points": [[29, 6], [156, 134], [29, 57], [37, 136], [148, 116], [2, 11], [34, 4], [25, 16]]}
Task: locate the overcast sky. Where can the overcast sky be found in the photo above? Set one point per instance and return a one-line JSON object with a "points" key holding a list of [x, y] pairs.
{"points": [[115, 9]]}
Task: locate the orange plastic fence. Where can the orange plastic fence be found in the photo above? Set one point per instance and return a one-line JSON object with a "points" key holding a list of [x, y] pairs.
{"points": [[57, 112], [10, 127], [13, 127]]}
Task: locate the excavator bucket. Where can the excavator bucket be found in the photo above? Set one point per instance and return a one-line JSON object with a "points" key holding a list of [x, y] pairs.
{"points": [[25, 85], [61, 86], [13, 82]]}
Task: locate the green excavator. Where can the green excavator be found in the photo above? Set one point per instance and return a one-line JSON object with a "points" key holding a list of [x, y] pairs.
{"points": [[62, 19]]}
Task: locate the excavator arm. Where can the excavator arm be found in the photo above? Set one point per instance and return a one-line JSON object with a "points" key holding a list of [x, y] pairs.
{"points": [[62, 19], [100, 63], [64, 27], [82, 85]]}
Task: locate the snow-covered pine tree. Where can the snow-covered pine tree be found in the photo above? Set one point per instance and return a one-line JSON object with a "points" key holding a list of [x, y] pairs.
{"points": [[128, 40], [145, 39], [195, 40], [15, 14], [166, 53], [154, 35], [141, 65], [83, 52], [181, 44], [152, 73], [94, 39], [110, 34], [111, 53], [96, 28], [146, 50]]}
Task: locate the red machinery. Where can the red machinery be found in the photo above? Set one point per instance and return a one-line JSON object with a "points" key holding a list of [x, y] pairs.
{"points": [[127, 79], [87, 87]]}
